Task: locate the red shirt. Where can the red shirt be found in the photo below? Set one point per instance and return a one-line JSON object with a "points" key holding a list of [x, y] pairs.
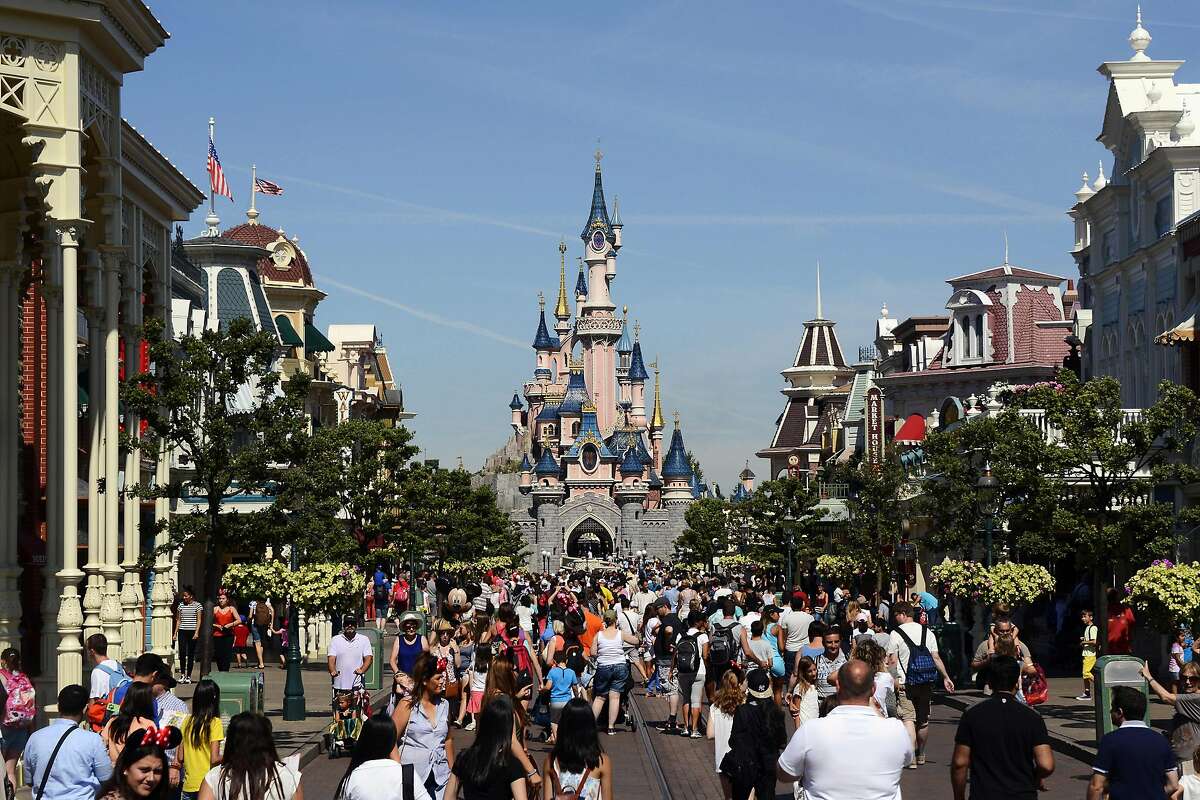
{"points": [[1120, 631], [592, 626], [224, 616]]}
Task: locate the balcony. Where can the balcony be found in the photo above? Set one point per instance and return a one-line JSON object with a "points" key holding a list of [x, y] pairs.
{"points": [[1051, 433]]}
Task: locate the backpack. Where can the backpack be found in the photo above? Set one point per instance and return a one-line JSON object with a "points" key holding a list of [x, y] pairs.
{"points": [[262, 614], [920, 669], [400, 593], [571, 792], [20, 704], [381, 593], [721, 646], [518, 651], [575, 660], [687, 654], [101, 709]]}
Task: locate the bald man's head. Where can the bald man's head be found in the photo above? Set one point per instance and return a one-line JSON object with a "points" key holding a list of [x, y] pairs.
{"points": [[856, 682]]}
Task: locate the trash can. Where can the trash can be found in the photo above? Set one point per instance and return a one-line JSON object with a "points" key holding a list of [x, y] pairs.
{"points": [[240, 691], [1110, 672], [374, 677]]}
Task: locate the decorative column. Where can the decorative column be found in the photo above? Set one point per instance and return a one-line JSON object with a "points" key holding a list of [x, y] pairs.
{"points": [[110, 605], [10, 609], [131, 600], [70, 613], [162, 592], [95, 583], [52, 292]]}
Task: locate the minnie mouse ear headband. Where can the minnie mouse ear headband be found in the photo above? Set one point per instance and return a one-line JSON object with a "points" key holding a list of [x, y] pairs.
{"points": [[165, 738]]}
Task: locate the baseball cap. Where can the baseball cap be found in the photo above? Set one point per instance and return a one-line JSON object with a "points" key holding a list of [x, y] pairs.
{"points": [[772, 609], [758, 684]]}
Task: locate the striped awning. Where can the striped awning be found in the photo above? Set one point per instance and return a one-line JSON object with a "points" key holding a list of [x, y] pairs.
{"points": [[1183, 333]]}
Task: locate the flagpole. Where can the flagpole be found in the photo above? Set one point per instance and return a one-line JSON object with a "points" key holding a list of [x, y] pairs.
{"points": [[212, 220], [252, 212]]}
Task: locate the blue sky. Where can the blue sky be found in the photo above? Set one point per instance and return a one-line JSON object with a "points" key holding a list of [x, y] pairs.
{"points": [[433, 154]]}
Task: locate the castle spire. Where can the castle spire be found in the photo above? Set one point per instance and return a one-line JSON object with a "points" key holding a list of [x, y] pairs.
{"points": [[656, 420], [598, 216], [561, 311], [541, 339], [581, 287]]}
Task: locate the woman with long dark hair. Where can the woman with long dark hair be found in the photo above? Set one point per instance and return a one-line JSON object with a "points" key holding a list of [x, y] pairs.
{"points": [[136, 713], [141, 770], [202, 736], [375, 771], [423, 722], [251, 769], [577, 764], [487, 769]]}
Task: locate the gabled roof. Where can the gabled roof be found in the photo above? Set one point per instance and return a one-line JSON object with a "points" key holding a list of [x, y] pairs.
{"points": [[1008, 271]]}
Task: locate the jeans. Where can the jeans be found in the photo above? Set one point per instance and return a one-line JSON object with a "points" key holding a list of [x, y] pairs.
{"points": [[187, 652], [655, 681], [610, 678], [223, 652]]}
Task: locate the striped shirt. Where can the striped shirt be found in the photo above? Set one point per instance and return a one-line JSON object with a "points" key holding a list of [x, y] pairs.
{"points": [[189, 615]]}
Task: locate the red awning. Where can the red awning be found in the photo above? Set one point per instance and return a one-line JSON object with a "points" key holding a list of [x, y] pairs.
{"points": [[912, 431]]}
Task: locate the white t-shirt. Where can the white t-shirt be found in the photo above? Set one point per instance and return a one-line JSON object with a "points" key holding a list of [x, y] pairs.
{"points": [[100, 679], [898, 647], [643, 599], [852, 752], [525, 618], [289, 781], [796, 623], [349, 655], [722, 725], [883, 683], [381, 779]]}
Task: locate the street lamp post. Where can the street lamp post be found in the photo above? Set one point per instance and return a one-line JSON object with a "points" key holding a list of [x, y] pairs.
{"points": [[987, 490], [293, 687], [545, 560]]}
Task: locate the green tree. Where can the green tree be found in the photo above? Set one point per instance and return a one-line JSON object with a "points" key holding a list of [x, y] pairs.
{"points": [[707, 520], [1103, 465], [338, 493], [877, 504], [193, 402], [782, 509], [694, 463]]}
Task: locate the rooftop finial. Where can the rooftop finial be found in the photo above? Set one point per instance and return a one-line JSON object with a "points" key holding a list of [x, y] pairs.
{"points": [[1139, 39], [1084, 191], [252, 212], [676, 415], [542, 302], [1006, 247], [1186, 124], [656, 419], [561, 310], [819, 314], [1100, 181], [616, 215], [599, 155], [625, 311], [637, 330]]}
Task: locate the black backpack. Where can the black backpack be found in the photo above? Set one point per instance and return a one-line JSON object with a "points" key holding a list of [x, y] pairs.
{"points": [[381, 593], [687, 654], [721, 646], [574, 650]]}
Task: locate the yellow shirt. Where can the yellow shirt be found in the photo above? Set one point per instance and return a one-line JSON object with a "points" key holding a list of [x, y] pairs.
{"points": [[197, 761]]}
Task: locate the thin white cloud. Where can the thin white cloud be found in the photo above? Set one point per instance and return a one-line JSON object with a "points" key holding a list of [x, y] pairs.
{"points": [[819, 220], [421, 212], [428, 316], [892, 11]]}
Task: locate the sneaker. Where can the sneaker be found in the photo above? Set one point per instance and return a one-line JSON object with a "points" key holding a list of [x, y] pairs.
{"points": [[612, 731], [670, 730], [470, 726], [697, 735], [1083, 697]]}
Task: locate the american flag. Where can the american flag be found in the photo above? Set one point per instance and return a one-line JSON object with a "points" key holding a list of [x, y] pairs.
{"points": [[267, 187], [216, 175]]}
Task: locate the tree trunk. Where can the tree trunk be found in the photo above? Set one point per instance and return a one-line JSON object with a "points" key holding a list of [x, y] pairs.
{"points": [[212, 582]]}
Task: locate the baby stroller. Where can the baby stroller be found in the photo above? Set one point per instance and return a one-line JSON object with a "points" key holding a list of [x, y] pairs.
{"points": [[350, 709]]}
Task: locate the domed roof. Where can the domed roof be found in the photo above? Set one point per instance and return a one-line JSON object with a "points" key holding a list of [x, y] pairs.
{"points": [[287, 264]]}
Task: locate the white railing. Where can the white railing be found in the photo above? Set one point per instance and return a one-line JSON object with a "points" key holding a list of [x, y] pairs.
{"points": [[1051, 432]]}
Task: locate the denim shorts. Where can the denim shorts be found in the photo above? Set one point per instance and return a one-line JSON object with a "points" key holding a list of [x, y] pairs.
{"points": [[610, 678], [14, 739]]}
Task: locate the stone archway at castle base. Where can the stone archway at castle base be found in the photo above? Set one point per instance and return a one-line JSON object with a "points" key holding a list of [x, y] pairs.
{"points": [[590, 528]]}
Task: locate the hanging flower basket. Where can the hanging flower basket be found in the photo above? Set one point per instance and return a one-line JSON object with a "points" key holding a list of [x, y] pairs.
{"points": [[271, 579], [1166, 594], [840, 568], [1007, 583]]}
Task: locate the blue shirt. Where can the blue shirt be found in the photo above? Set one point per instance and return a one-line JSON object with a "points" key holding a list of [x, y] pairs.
{"points": [[1136, 760], [561, 680], [672, 596], [79, 768]]}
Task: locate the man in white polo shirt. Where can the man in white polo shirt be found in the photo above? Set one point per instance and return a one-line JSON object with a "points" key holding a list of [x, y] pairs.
{"points": [[350, 655], [852, 754]]}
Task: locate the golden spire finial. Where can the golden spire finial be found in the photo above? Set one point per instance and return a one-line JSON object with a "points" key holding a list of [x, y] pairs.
{"points": [[561, 310], [656, 420]]}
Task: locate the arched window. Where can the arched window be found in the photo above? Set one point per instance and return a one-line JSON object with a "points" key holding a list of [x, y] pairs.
{"points": [[966, 336], [574, 428], [979, 336]]}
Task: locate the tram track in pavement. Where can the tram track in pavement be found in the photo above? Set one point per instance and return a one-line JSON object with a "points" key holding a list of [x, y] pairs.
{"points": [[635, 711]]}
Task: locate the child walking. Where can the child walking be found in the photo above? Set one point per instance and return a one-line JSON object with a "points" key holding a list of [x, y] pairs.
{"points": [[479, 672], [1087, 643]]}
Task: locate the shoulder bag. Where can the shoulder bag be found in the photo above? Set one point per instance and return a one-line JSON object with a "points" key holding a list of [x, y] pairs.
{"points": [[50, 764]]}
